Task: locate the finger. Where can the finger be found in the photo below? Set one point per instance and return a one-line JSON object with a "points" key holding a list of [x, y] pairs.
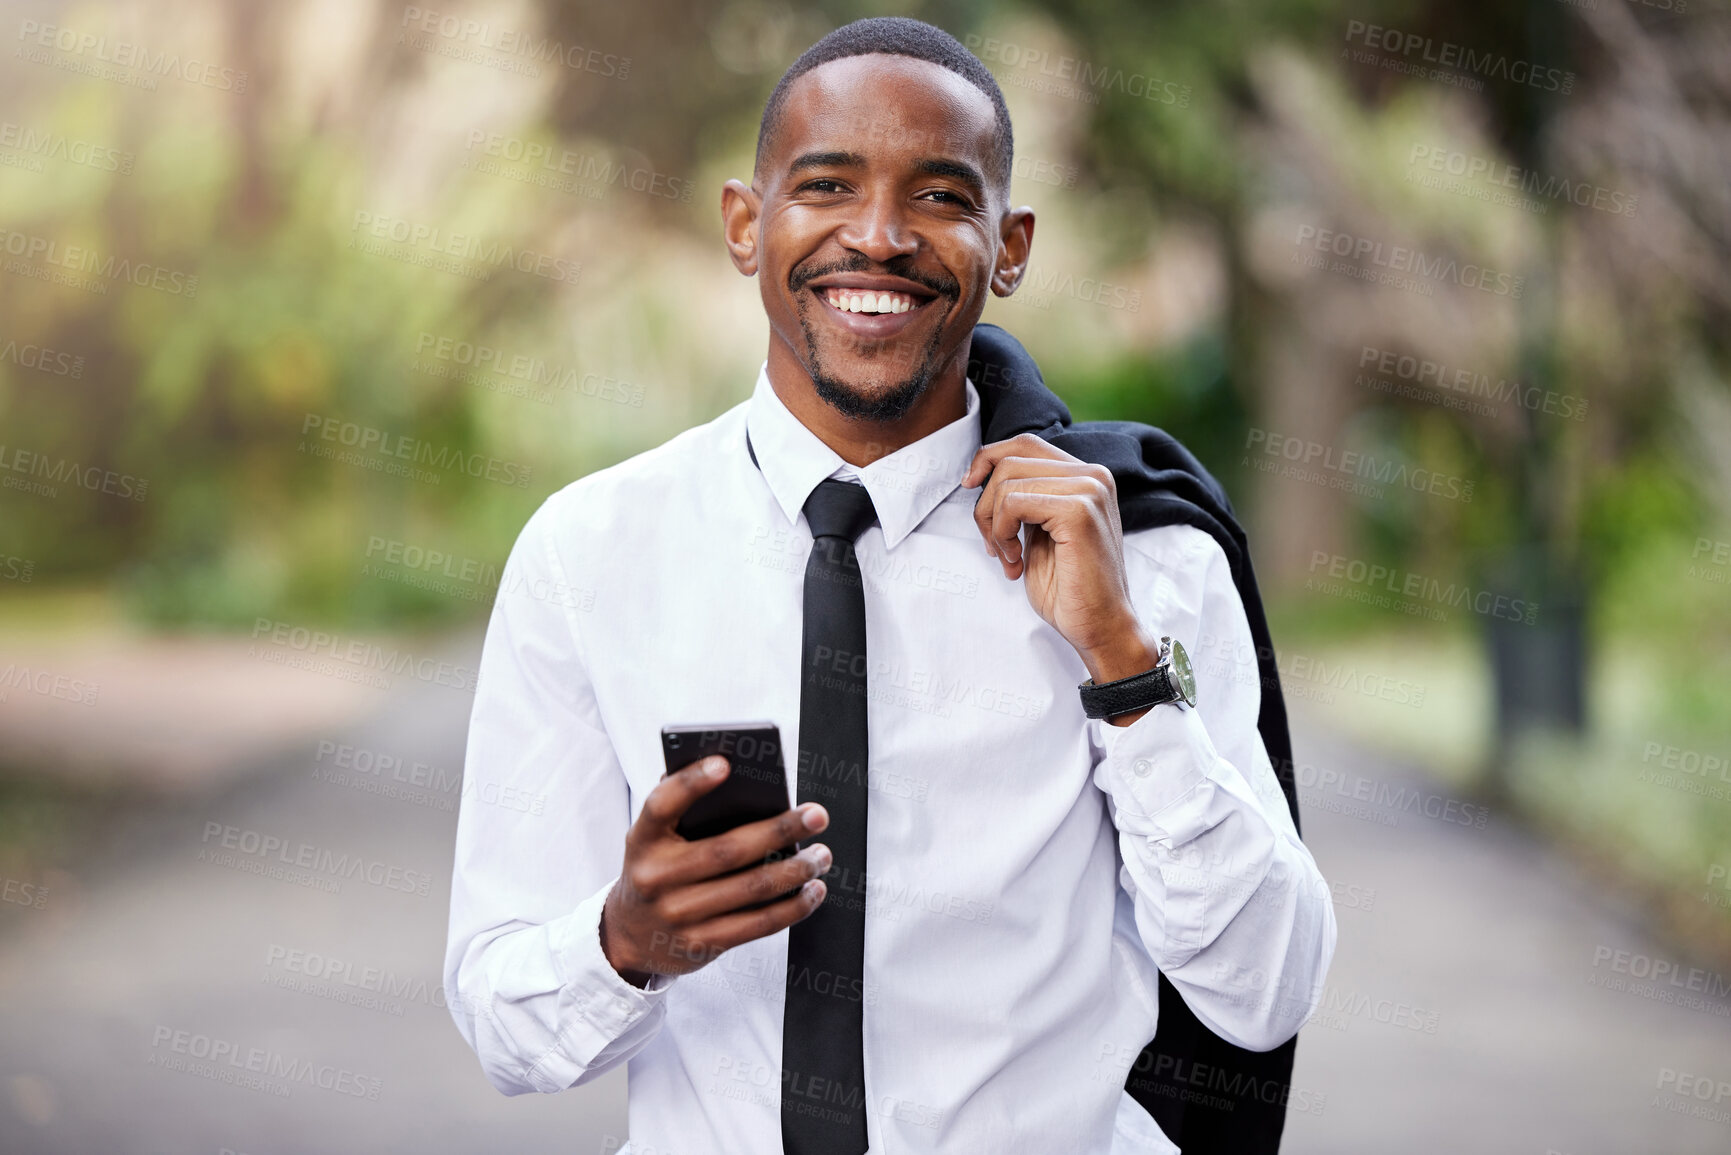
{"points": [[675, 793], [729, 930], [1009, 511], [1019, 465], [742, 846], [1054, 515], [1021, 445], [1016, 468], [706, 900]]}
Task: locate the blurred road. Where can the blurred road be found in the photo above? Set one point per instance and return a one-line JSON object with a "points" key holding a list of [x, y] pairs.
{"points": [[1471, 1008], [164, 942], [1489, 999]]}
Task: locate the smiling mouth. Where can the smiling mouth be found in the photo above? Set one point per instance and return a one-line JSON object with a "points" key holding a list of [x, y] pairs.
{"points": [[870, 302]]}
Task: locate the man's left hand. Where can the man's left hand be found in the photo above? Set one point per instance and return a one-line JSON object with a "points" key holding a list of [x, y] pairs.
{"points": [[1072, 553]]}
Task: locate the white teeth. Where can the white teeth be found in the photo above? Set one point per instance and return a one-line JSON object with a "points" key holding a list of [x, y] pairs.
{"points": [[869, 302]]}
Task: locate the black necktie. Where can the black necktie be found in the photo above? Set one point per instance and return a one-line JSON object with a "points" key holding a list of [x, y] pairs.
{"points": [[823, 1099]]}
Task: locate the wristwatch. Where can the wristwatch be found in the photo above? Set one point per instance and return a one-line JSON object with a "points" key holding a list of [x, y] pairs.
{"points": [[1169, 681]]}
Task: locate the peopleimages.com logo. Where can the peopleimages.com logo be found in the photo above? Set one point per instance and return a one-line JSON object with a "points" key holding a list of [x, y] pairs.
{"points": [[94, 55], [463, 38], [42, 359], [1399, 259], [463, 253], [42, 474], [1072, 76], [1350, 470], [257, 1068], [43, 144], [79, 259], [1434, 59], [1435, 378], [1474, 170], [364, 439], [584, 167], [1383, 579], [357, 655], [229, 845]]}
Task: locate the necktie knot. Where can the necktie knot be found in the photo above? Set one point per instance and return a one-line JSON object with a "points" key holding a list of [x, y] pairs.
{"points": [[839, 509]]}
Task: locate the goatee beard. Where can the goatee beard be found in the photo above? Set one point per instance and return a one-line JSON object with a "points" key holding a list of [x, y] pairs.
{"points": [[886, 405]]}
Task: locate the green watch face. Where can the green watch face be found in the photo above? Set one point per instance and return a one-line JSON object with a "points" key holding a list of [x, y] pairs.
{"points": [[1181, 674]]}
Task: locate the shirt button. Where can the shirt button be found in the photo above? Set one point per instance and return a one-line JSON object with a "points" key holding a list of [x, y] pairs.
{"points": [[1142, 767]]}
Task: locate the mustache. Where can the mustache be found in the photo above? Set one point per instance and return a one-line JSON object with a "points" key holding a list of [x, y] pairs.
{"points": [[940, 283]]}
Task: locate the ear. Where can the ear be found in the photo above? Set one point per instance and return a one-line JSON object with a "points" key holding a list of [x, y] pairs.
{"points": [[740, 210], [1014, 245]]}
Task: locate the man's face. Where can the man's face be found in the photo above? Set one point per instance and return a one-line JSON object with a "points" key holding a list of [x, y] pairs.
{"points": [[879, 233]]}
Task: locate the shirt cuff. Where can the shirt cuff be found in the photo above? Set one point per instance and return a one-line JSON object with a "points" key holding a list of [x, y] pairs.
{"points": [[1154, 766], [600, 1006]]}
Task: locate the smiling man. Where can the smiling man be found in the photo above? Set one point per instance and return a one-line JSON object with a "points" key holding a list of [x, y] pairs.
{"points": [[1023, 818]]}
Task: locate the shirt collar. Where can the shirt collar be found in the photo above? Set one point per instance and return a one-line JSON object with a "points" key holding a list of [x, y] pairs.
{"points": [[905, 486]]}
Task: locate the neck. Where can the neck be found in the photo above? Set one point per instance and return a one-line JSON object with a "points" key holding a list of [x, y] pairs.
{"points": [[856, 441]]}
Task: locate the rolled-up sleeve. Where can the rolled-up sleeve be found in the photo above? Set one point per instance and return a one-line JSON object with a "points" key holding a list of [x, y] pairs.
{"points": [[540, 838], [1229, 903]]}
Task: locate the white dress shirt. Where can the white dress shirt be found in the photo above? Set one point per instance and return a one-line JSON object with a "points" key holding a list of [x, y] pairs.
{"points": [[1028, 869]]}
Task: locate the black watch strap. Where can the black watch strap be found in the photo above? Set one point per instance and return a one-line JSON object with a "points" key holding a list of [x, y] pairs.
{"points": [[1171, 680], [1137, 692]]}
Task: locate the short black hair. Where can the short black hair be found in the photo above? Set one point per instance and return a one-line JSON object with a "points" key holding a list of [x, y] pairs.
{"points": [[898, 36]]}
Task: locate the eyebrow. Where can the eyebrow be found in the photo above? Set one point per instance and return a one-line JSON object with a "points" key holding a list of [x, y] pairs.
{"points": [[826, 160]]}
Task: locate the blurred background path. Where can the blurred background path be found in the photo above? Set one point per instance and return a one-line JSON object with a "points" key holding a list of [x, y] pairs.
{"points": [[161, 940], [1468, 1008], [1471, 1006]]}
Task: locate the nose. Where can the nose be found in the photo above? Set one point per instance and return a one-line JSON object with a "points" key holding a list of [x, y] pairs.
{"points": [[879, 230]]}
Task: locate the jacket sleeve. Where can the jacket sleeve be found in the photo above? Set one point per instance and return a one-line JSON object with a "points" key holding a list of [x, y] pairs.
{"points": [[1228, 902], [540, 838]]}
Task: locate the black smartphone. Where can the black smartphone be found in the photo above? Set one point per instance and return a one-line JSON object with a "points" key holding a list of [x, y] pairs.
{"points": [[756, 787]]}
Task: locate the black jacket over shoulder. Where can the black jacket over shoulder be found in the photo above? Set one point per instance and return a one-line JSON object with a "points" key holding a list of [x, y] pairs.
{"points": [[1209, 1096]]}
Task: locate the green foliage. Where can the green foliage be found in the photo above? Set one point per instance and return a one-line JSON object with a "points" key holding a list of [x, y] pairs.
{"points": [[207, 396], [1184, 391]]}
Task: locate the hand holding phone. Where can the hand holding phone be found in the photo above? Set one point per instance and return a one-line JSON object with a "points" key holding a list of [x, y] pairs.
{"points": [[680, 902]]}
